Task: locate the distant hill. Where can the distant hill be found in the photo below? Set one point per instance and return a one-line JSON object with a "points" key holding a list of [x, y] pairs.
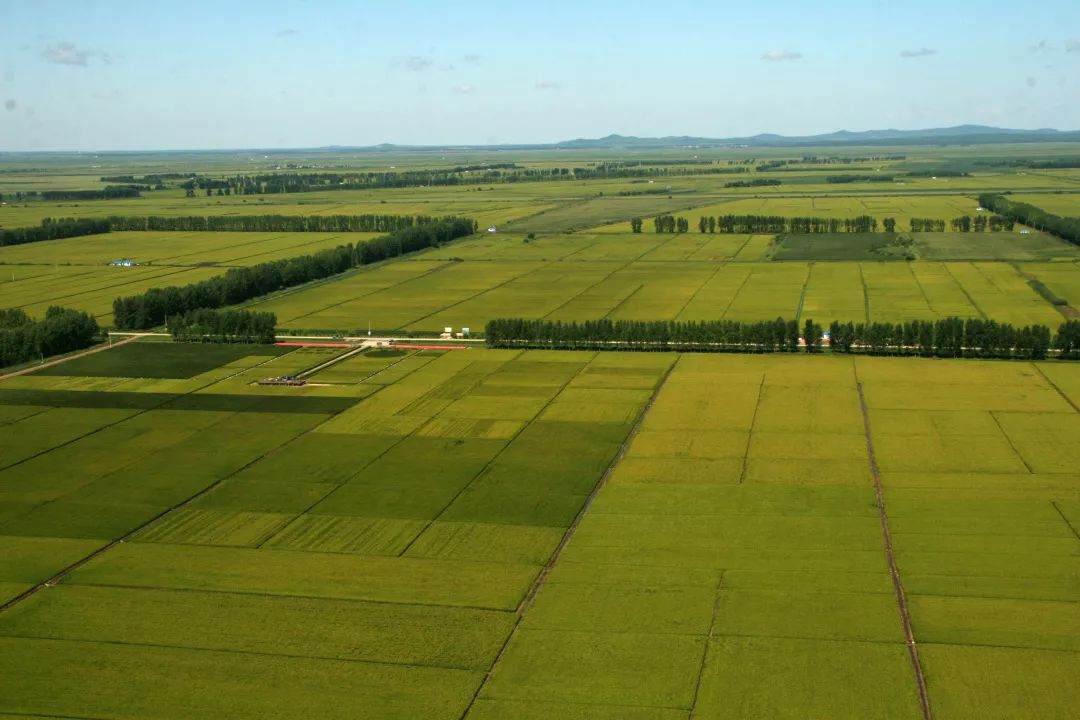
{"points": [[958, 135]]}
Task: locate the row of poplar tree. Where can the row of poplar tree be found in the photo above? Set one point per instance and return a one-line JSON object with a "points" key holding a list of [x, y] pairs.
{"points": [[22, 338], [776, 224], [949, 337], [224, 326], [157, 305], [57, 229]]}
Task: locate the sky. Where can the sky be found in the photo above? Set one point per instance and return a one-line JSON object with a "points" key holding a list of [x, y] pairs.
{"points": [[119, 75]]}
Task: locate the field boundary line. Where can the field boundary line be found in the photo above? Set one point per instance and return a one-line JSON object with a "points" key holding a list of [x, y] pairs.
{"points": [[708, 644], [526, 602], [352, 298], [539, 266], [623, 301], [596, 284], [738, 290], [1066, 519], [805, 287], [865, 295], [894, 571], [1008, 439], [750, 432], [965, 290], [720, 266], [1060, 392], [922, 290], [233, 651]]}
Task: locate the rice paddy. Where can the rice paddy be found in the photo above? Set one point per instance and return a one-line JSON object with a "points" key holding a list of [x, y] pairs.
{"points": [[425, 528]]}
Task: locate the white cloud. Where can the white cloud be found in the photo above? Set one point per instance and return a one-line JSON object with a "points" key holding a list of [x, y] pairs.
{"points": [[547, 85], [1073, 45], [921, 52], [464, 89], [9, 105], [1031, 82], [781, 55], [66, 53], [287, 32], [471, 58], [1040, 47], [417, 63]]}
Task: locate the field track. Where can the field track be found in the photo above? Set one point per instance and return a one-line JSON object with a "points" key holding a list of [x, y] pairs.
{"points": [[543, 574], [894, 572]]}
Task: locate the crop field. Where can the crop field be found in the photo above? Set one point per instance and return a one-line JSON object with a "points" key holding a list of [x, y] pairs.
{"points": [[429, 294], [734, 565], [491, 534], [394, 525], [387, 529], [76, 273]]}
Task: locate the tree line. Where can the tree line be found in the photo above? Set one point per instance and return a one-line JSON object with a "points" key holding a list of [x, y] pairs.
{"points": [[51, 229], [756, 182], [764, 224], [224, 326], [1066, 228], [949, 337], [61, 330], [981, 223], [111, 192], [157, 305]]}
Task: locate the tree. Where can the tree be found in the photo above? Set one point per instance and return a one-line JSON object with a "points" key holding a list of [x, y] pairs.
{"points": [[712, 224], [635, 225], [812, 334], [703, 224], [889, 224]]}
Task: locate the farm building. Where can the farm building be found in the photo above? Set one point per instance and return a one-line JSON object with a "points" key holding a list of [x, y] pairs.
{"points": [[124, 262]]}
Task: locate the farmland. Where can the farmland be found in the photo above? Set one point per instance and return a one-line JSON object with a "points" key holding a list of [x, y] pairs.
{"points": [[481, 533], [387, 529]]}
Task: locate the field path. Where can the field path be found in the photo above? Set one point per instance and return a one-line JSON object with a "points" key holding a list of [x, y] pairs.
{"points": [[894, 572], [530, 596], [91, 351]]}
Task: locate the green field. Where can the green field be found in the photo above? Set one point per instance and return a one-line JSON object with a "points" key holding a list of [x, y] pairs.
{"points": [[491, 534], [388, 528]]}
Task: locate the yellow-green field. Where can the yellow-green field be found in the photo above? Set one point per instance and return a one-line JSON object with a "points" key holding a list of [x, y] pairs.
{"points": [[416, 527]]}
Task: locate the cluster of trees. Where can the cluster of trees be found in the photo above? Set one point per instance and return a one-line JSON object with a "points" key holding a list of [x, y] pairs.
{"points": [[224, 326], [981, 223], [111, 192], [1067, 340], [936, 173], [767, 224], [157, 179], [53, 230], [61, 330], [819, 160], [756, 182], [272, 223], [1055, 164], [75, 227], [849, 178], [927, 225], [719, 335], [157, 305], [950, 337], [1066, 228], [274, 183], [669, 224]]}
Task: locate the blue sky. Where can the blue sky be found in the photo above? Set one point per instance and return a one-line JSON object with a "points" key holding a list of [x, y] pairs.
{"points": [[101, 74]]}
